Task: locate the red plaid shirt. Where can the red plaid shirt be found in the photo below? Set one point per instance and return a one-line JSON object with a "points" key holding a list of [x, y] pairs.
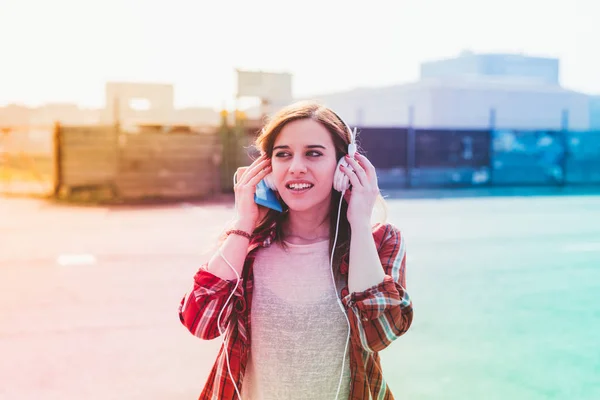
{"points": [[378, 316]]}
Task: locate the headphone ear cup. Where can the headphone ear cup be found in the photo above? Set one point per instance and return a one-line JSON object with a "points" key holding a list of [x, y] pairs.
{"points": [[341, 181], [269, 182]]}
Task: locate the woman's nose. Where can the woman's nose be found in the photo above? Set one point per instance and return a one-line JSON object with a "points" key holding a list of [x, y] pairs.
{"points": [[297, 166]]}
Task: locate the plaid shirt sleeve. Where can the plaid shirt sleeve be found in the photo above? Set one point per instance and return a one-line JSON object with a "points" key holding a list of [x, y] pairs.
{"points": [[200, 308], [383, 312]]}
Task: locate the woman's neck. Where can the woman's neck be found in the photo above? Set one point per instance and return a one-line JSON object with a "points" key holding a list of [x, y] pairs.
{"points": [[305, 227]]}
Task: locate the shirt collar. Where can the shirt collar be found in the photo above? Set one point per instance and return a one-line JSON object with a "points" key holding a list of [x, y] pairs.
{"points": [[267, 237], [263, 239]]}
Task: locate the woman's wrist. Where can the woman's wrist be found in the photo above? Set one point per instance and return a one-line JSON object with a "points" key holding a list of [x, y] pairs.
{"points": [[239, 232], [243, 225], [362, 225]]}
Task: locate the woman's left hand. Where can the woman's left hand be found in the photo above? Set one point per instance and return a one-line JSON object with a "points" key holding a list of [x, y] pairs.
{"points": [[361, 197]]}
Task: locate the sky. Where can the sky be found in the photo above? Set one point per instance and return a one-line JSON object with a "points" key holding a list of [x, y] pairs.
{"points": [[65, 50]]}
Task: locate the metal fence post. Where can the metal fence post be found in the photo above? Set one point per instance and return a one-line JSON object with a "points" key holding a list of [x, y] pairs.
{"points": [[57, 159], [492, 127], [564, 143], [410, 146]]}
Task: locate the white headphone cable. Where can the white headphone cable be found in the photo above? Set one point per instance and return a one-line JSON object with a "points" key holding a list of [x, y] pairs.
{"points": [[225, 342], [336, 295]]}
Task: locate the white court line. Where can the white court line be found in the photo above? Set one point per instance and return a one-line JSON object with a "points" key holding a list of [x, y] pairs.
{"points": [[581, 247], [76, 259]]}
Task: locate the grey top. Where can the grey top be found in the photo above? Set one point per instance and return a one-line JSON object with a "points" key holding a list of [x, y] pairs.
{"points": [[298, 332]]}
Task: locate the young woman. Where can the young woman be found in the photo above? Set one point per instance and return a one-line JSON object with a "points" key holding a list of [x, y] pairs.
{"points": [[304, 301]]}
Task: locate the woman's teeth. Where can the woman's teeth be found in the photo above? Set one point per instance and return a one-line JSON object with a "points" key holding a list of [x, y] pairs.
{"points": [[299, 186]]}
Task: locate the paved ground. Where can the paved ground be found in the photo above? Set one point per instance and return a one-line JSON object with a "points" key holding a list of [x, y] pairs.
{"points": [[506, 292]]}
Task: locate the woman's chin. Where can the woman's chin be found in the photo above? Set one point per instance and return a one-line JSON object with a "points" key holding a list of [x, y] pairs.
{"points": [[295, 205], [306, 203]]}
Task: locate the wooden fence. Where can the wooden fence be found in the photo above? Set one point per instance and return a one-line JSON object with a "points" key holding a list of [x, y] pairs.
{"points": [[137, 165], [26, 160]]}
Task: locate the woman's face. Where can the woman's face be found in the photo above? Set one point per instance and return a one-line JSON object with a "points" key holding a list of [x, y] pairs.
{"points": [[304, 162]]}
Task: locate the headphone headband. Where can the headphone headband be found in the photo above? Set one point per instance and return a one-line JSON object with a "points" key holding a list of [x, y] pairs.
{"points": [[343, 123], [352, 133]]}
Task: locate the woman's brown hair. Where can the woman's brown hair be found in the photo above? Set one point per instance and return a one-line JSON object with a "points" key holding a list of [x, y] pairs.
{"points": [[341, 138]]}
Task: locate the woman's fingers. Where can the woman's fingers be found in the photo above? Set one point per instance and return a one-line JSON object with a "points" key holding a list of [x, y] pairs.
{"points": [[239, 173], [367, 165], [250, 172], [259, 175], [354, 181], [358, 171]]}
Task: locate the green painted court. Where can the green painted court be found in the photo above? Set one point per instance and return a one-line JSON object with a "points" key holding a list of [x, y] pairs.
{"points": [[506, 293], [507, 299]]}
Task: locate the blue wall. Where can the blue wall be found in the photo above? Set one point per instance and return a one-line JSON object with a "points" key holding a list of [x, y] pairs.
{"points": [[527, 157], [583, 161], [450, 158]]}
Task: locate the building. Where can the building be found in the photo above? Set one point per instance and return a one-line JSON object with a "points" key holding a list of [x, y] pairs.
{"points": [[47, 114], [132, 103], [15, 115], [464, 104], [595, 113], [471, 92], [65, 113], [196, 116], [533, 69]]}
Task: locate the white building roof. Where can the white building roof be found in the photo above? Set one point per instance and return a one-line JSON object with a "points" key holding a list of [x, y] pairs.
{"points": [[464, 103]]}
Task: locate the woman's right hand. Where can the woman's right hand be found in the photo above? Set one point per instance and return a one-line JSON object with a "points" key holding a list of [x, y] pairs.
{"points": [[248, 212]]}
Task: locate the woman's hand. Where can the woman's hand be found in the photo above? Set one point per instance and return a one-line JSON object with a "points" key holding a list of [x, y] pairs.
{"points": [[248, 212], [363, 194]]}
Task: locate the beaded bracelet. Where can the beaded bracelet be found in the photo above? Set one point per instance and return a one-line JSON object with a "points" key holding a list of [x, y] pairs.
{"points": [[238, 232]]}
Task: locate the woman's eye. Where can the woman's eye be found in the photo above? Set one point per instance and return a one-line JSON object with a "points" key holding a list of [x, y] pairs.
{"points": [[312, 153]]}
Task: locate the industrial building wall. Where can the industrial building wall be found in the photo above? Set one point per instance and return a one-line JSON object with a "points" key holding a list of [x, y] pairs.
{"points": [[505, 108], [538, 69], [595, 113], [451, 67], [156, 101], [463, 105], [382, 107]]}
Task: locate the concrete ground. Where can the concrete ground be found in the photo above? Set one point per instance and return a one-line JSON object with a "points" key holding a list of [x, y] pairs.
{"points": [[506, 293]]}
